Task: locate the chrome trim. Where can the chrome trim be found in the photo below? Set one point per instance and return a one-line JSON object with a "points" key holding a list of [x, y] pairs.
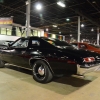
{"points": [[82, 71], [41, 70], [18, 66]]}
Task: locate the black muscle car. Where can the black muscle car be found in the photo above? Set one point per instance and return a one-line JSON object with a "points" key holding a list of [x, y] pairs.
{"points": [[46, 57]]}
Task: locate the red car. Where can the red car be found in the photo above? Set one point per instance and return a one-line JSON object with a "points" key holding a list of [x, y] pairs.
{"points": [[87, 46]]}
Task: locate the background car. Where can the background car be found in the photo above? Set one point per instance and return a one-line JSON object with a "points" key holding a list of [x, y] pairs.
{"points": [[7, 42], [87, 46], [4, 43]]}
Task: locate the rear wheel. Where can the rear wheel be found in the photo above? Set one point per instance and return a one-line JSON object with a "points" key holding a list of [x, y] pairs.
{"points": [[41, 72], [2, 64]]}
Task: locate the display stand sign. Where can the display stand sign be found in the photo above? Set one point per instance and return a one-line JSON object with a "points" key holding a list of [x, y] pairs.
{"points": [[6, 21]]}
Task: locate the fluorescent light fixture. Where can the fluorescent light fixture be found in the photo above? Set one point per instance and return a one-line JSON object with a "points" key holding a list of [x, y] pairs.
{"points": [[60, 3], [54, 25]]}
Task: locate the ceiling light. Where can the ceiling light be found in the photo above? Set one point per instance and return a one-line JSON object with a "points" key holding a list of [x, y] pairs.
{"points": [[38, 6], [92, 29], [54, 25], [59, 32], [94, 2], [82, 25], [60, 3], [47, 29], [67, 19], [70, 35], [12, 16], [27, 2]]}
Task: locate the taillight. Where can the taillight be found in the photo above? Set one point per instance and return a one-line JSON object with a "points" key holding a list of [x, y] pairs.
{"points": [[89, 59], [92, 58]]}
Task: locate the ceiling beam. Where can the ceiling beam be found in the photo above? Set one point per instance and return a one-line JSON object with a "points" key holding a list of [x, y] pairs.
{"points": [[89, 18]]}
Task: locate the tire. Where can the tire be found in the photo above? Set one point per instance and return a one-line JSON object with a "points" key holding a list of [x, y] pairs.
{"points": [[41, 72], [2, 64]]}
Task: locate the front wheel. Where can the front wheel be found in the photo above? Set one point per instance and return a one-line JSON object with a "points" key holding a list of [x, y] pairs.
{"points": [[41, 72]]}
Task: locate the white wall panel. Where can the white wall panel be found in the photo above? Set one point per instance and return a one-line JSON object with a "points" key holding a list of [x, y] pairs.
{"points": [[10, 38]]}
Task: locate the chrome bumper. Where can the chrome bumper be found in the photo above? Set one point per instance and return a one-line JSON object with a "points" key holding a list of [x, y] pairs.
{"points": [[82, 71]]}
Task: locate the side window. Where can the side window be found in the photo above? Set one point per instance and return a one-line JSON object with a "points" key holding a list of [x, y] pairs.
{"points": [[82, 46], [25, 43], [35, 43], [21, 43]]}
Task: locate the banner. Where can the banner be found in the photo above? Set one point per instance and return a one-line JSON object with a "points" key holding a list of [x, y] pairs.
{"points": [[6, 21]]}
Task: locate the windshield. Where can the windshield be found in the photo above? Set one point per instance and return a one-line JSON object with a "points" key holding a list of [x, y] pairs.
{"points": [[96, 46]]}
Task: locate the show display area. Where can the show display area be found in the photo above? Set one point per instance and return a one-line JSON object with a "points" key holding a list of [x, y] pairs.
{"points": [[49, 49], [46, 56]]}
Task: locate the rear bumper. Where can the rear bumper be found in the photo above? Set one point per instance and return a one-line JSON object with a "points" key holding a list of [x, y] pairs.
{"points": [[82, 71]]}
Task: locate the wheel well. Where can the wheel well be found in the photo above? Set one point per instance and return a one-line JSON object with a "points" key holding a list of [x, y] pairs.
{"points": [[32, 61]]}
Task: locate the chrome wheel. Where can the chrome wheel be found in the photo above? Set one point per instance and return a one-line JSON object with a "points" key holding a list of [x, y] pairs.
{"points": [[41, 70]]}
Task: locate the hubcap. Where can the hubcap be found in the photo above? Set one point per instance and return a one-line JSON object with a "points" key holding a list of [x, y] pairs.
{"points": [[41, 70]]}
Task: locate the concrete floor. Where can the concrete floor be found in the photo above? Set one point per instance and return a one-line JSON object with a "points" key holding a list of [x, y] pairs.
{"points": [[18, 84]]}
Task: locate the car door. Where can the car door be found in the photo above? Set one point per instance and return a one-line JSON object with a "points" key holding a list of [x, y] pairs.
{"points": [[6, 54], [33, 50], [20, 52], [16, 52], [17, 55], [40, 48]]}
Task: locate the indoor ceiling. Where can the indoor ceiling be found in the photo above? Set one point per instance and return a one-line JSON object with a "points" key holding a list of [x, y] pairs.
{"points": [[53, 14]]}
